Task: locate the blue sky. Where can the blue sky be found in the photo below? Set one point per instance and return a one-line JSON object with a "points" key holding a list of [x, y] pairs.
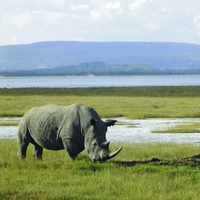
{"points": [[28, 21]]}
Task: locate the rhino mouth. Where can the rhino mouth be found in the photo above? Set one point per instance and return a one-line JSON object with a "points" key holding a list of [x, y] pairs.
{"points": [[111, 155], [114, 153], [103, 159]]}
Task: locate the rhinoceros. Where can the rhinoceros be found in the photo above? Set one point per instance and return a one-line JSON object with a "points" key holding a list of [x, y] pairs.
{"points": [[74, 128]]}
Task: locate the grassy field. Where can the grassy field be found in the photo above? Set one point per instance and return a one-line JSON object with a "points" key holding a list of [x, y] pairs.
{"points": [[181, 128], [57, 178], [9, 123], [133, 102]]}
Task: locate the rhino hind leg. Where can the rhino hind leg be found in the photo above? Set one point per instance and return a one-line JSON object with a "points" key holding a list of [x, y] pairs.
{"points": [[23, 144], [37, 153], [23, 139]]}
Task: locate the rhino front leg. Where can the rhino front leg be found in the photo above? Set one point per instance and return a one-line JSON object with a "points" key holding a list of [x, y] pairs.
{"points": [[72, 148], [37, 153]]}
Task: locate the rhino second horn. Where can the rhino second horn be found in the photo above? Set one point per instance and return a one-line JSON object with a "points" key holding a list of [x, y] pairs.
{"points": [[105, 145], [114, 153]]}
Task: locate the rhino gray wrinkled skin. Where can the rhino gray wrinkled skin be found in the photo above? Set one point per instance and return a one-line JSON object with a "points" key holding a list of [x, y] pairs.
{"points": [[74, 128]]}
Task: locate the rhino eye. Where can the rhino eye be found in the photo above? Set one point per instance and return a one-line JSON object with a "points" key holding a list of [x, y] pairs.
{"points": [[93, 122], [94, 144]]}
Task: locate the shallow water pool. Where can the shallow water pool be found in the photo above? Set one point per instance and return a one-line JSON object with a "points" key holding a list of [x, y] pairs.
{"points": [[139, 132]]}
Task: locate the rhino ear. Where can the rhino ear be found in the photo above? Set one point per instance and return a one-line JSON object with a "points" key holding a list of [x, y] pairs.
{"points": [[110, 122], [93, 121]]}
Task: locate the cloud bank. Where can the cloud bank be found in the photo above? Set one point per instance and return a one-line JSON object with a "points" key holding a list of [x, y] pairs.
{"points": [[27, 21]]}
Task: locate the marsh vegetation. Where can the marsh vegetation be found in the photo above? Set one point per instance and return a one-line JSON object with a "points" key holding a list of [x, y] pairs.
{"points": [[181, 128], [56, 178]]}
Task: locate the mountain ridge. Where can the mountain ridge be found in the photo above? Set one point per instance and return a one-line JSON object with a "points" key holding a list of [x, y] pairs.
{"points": [[55, 54]]}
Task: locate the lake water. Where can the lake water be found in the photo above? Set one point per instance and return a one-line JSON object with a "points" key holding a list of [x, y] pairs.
{"points": [[99, 81], [122, 133], [139, 133]]}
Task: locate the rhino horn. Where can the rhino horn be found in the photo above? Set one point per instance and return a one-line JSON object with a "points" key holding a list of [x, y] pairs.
{"points": [[114, 153]]}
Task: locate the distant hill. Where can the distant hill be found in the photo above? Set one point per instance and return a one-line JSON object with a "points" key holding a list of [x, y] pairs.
{"points": [[64, 57]]}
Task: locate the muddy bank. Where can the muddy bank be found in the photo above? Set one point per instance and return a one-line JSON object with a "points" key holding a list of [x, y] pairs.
{"points": [[193, 161]]}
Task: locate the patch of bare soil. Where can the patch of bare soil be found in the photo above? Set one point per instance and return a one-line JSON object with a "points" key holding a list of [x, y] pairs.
{"points": [[193, 161]]}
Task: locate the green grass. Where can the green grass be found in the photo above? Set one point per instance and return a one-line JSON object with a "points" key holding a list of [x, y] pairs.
{"points": [[181, 128], [57, 178], [130, 102], [9, 123]]}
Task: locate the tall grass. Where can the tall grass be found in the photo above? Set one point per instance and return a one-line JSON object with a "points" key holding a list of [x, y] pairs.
{"points": [[133, 102], [57, 178]]}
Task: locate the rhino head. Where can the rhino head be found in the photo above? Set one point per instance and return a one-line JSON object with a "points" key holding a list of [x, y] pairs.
{"points": [[95, 141]]}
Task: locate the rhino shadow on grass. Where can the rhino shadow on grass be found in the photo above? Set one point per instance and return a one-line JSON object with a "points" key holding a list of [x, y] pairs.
{"points": [[73, 128]]}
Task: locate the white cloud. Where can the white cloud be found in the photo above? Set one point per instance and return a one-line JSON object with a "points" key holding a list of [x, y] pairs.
{"points": [[100, 15], [106, 11], [51, 18], [137, 4], [78, 7], [197, 21], [168, 9], [19, 20], [57, 2], [116, 6], [23, 21], [197, 24]]}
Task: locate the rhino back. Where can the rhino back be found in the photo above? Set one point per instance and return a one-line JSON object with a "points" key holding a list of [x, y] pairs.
{"points": [[49, 125], [46, 123]]}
